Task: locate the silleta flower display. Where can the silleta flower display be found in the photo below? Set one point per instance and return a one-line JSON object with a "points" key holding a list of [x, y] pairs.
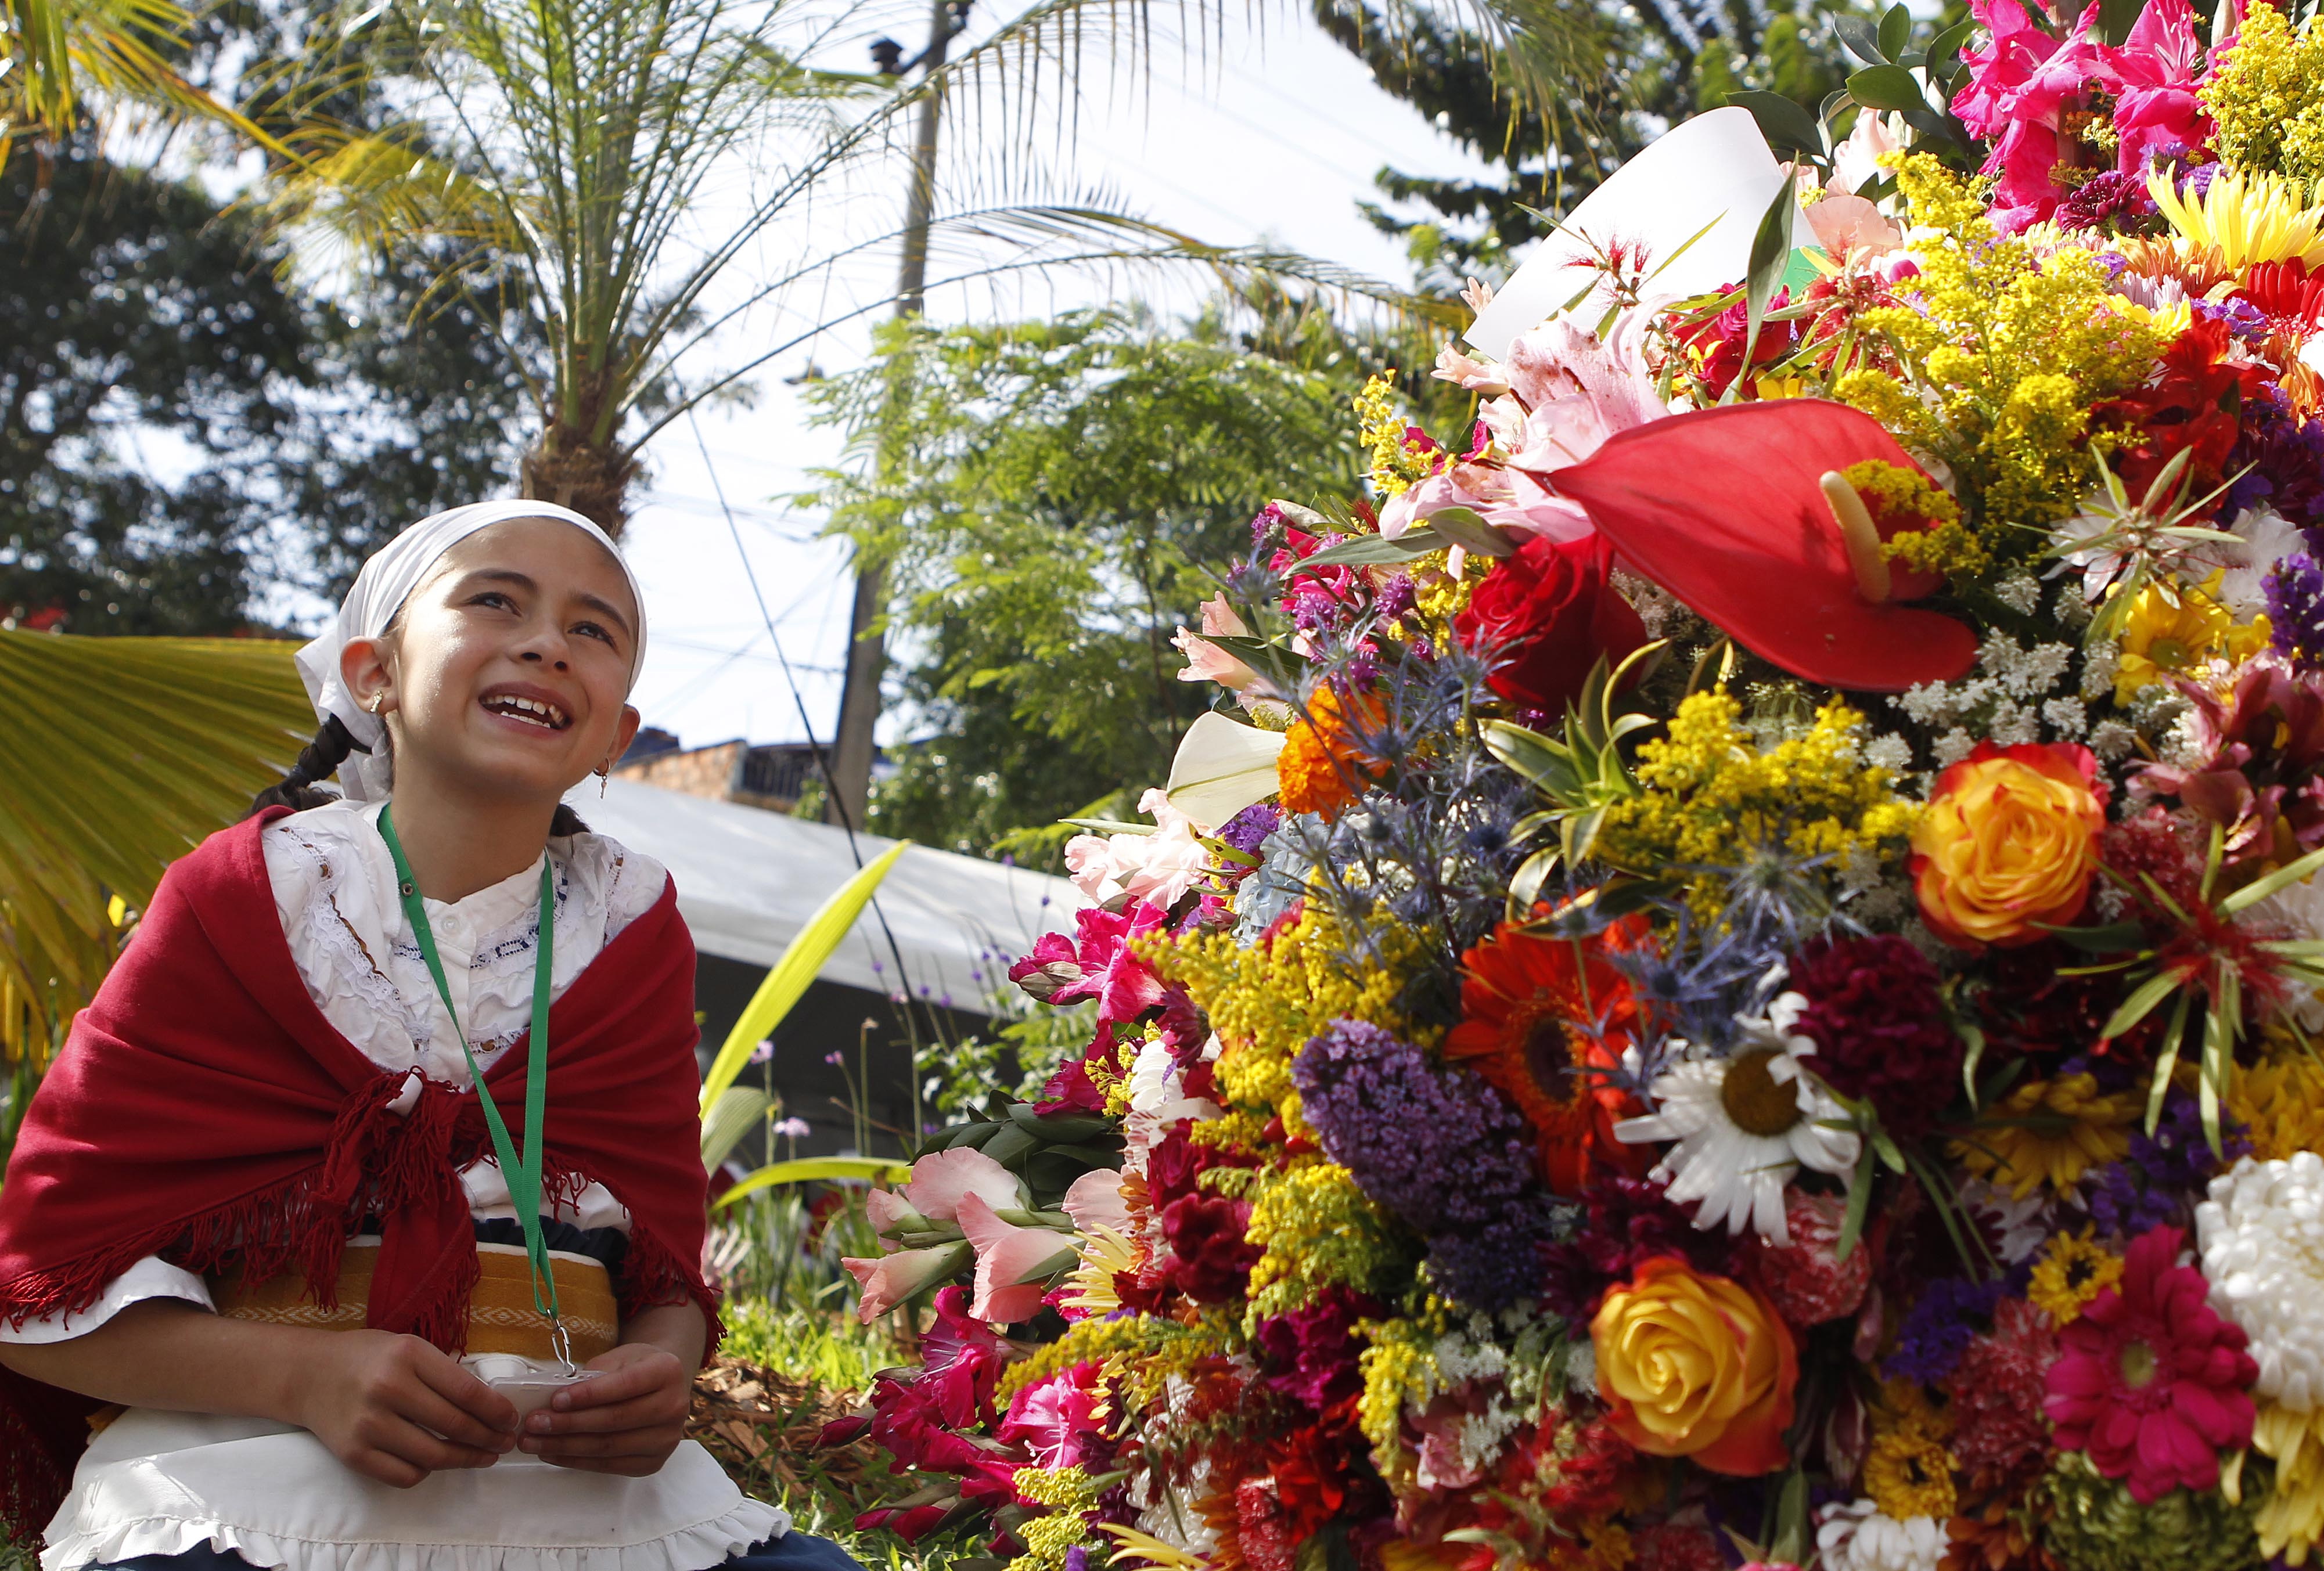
{"points": [[1730, 978]]}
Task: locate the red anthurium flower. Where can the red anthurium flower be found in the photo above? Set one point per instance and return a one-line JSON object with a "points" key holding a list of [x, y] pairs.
{"points": [[1725, 509]]}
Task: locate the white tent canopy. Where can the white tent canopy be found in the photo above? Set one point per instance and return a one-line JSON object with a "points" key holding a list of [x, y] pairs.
{"points": [[749, 879]]}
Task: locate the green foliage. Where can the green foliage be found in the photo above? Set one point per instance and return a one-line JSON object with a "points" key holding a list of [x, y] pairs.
{"points": [[979, 1078], [1056, 496], [830, 1349], [779, 1248]]}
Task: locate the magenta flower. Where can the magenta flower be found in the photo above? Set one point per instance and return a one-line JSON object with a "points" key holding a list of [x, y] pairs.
{"points": [[1117, 980], [1054, 1419], [2153, 1384], [2158, 64]]}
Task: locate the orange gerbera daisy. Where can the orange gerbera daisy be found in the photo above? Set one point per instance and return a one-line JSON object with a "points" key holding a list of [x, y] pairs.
{"points": [[1545, 1018]]}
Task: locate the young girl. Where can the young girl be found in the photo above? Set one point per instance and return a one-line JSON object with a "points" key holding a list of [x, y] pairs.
{"points": [[278, 1288]]}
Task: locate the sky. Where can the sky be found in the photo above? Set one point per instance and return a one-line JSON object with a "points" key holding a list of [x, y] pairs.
{"points": [[1277, 139]]}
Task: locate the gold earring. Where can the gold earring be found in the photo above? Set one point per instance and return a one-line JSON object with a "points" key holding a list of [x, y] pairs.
{"points": [[605, 772], [376, 700]]}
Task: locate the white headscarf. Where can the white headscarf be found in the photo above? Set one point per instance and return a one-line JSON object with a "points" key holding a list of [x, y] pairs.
{"points": [[380, 589]]}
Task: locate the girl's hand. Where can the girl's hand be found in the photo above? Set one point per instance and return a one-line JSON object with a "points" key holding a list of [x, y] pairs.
{"points": [[396, 1408], [628, 1419]]}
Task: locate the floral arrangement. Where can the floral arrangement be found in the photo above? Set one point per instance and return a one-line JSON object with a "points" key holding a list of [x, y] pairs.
{"points": [[1731, 981]]}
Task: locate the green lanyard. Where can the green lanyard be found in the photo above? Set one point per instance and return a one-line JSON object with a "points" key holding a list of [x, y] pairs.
{"points": [[524, 1177]]}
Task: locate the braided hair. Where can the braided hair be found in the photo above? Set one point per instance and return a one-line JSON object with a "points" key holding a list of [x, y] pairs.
{"points": [[320, 759]]}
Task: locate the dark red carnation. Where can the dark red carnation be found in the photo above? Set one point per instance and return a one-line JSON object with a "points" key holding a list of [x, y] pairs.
{"points": [[1880, 1028], [1314, 1348], [1206, 1235], [1548, 615]]}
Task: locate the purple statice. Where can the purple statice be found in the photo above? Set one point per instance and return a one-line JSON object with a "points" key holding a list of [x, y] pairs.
{"points": [[1939, 1326], [1247, 830], [2295, 610], [1265, 531], [2243, 319], [2163, 1174], [2278, 459], [1436, 1147]]}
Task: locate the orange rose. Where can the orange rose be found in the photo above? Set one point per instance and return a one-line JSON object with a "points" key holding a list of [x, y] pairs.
{"points": [[1696, 1366], [2009, 843]]}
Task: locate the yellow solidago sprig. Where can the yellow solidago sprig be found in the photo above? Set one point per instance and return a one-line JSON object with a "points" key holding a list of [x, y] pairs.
{"points": [[2002, 363], [1265, 1002], [1710, 796], [1930, 536], [1398, 461], [1317, 1229], [2267, 99], [1070, 1493]]}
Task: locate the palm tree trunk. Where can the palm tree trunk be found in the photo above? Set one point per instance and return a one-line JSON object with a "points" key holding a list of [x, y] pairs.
{"points": [[593, 478]]}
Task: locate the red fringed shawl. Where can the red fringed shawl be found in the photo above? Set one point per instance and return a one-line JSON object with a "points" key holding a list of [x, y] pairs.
{"points": [[203, 1109]]}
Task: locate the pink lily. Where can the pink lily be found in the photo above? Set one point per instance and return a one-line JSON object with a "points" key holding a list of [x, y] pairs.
{"points": [[1014, 1265]]}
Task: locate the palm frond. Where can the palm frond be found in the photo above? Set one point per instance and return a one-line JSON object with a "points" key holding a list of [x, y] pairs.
{"points": [[126, 752], [59, 58]]}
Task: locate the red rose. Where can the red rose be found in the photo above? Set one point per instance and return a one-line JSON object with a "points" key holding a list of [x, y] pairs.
{"points": [[1548, 615]]}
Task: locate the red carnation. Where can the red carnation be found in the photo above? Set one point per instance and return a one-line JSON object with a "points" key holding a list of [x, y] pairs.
{"points": [[2153, 1384], [1548, 614]]}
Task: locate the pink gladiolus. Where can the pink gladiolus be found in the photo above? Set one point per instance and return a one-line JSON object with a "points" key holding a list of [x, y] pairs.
{"points": [[889, 1279], [1095, 1201], [941, 1180], [1014, 1265], [891, 1213], [2159, 63]]}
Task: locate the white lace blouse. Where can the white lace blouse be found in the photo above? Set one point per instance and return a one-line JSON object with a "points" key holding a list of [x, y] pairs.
{"points": [[163, 1484]]}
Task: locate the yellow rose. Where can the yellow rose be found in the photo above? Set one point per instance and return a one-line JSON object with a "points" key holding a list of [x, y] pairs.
{"points": [[1696, 1366], [2009, 840]]}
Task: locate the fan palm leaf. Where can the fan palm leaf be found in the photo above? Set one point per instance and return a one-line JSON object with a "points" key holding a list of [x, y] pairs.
{"points": [[125, 753]]}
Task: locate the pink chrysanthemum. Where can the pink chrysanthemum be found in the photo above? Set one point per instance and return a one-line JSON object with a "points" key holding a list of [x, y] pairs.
{"points": [[2153, 1384]]}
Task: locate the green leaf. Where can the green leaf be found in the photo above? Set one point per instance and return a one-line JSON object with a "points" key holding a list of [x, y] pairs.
{"points": [[1860, 1206], [2109, 940], [2140, 1004], [825, 931], [1058, 1128], [1862, 39], [1788, 128], [2283, 877], [1377, 550], [1465, 527], [1771, 253], [1944, 54], [814, 1170], [1791, 1543], [1886, 88], [1895, 33], [738, 1110]]}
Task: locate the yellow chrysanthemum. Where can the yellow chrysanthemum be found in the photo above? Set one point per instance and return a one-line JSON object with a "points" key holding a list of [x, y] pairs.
{"points": [[2162, 640], [1908, 1473], [2074, 1269], [2291, 1519], [2240, 219], [2052, 1131], [2281, 1102]]}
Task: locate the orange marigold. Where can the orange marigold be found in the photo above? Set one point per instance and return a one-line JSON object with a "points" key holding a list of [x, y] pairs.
{"points": [[1323, 762]]}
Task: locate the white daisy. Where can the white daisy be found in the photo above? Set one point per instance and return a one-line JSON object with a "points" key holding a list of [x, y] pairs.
{"points": [[1744, 1124]]}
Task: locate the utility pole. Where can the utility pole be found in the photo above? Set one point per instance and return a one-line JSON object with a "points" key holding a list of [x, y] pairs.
{"points": [[867, 649]]}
